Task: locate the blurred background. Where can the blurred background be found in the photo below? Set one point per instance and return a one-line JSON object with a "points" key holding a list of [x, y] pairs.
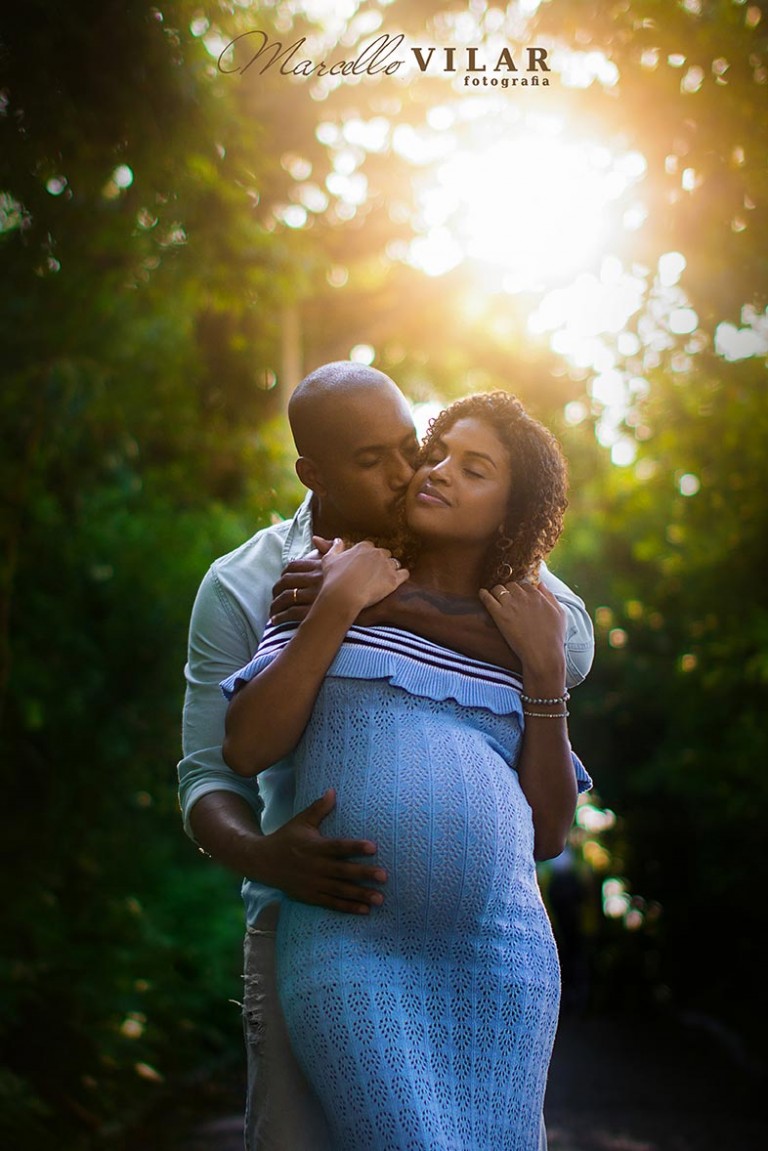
{"points": [[183, 235]]}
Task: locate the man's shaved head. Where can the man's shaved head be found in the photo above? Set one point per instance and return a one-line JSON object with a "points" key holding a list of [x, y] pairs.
{"points": [[357, 446], [328, 397]]}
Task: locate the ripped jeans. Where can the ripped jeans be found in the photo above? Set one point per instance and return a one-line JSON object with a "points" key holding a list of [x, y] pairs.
{"points": [[281, 1111]]}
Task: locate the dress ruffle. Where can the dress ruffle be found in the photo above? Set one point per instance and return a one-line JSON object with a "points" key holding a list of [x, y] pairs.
{"points": [[415, 665], [407, 661]]}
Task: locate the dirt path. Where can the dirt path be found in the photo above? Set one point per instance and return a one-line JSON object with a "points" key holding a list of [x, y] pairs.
{"points": [[642, 1086], [614, 1085]]}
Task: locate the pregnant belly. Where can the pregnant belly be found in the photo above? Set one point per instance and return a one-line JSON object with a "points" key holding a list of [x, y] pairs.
{"points": [[435, 793]]}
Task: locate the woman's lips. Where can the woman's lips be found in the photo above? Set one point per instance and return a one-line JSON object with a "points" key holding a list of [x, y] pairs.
{"points": [[428, 495]]}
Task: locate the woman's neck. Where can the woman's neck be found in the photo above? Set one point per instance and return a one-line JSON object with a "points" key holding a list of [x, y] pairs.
{"points": [[454, 570]]}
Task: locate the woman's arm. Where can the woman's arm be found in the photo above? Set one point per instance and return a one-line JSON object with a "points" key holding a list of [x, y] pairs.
{"points": [[532, 622], [267, 717]]}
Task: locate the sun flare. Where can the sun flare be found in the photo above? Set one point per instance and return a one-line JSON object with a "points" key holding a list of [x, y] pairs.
{"points": [[535, 206]]}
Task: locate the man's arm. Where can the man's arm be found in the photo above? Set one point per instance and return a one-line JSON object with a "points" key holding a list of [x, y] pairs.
{"points": [[218, 643], [458, 622], [220, 809], [296, 859], [462, 623]]}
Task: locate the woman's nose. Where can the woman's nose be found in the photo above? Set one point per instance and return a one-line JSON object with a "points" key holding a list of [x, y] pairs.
{"points": [[440, 472]]}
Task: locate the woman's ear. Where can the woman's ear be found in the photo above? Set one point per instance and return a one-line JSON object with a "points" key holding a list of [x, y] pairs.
{"points": [[310, 475]]}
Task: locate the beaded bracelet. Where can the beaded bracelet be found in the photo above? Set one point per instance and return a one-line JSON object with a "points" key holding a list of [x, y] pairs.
{"points": [[546, 714], [536, 699]]}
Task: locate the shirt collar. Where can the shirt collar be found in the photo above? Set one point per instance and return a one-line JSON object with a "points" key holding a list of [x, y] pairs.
{"points": [[298, 540]]}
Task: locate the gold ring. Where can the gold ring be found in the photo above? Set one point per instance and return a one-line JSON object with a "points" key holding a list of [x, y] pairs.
{"points": [[295, 594], [502, 592]]}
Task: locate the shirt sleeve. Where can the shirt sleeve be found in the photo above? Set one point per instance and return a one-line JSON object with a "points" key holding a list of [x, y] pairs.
{"points": [[218, 642], [583, 778], [579, 636], [232, 684]]}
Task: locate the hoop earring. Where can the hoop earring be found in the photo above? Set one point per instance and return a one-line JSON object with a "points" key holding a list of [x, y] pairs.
{"points": [[503, 545]]}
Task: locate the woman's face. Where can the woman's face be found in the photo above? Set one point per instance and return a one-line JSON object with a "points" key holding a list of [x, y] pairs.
{"points": [[461, 491]]}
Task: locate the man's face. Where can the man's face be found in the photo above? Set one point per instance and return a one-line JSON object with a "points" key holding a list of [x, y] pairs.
{"points": [[368, 460]]}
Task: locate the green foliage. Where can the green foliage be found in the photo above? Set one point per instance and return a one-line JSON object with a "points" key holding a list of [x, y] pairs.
{"points": [[102, 925], [673, 709], [692, 82], [131, 393], [673, 547], [144, 327]]}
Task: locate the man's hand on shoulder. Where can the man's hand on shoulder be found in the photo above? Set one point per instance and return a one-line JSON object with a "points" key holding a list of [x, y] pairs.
{"points": [[296, 590]]}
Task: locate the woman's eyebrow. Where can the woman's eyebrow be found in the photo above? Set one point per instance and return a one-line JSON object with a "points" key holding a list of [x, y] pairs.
{"points": [[483, 456]]}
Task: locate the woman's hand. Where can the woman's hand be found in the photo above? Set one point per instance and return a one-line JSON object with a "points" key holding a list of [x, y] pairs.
{"points": [[533, 624], [360, 575]]}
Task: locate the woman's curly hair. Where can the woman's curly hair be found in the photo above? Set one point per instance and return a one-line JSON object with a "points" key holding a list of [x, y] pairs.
{"points": [[537, 498]]}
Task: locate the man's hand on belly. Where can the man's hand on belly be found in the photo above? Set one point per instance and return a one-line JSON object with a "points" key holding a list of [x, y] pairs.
{"points": [[311, 868]]}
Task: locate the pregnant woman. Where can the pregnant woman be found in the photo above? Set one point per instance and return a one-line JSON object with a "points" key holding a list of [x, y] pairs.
{"points": [[429, 1024]]}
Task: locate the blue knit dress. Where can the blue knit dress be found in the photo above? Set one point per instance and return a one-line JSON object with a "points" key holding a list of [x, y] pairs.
{"points": [[427, 1025]]}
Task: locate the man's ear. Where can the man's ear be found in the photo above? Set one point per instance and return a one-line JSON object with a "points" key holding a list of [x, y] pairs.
{"points": [[309, 474]]}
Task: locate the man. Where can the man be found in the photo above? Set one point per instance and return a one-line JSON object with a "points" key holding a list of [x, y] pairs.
{"points": [[357, 447]]}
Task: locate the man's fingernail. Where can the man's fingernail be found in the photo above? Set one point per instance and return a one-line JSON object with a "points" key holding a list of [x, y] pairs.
{"points": [[377, 899], [380, 876]]}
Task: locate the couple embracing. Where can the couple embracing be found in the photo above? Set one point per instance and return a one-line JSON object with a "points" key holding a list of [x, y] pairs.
{"points": [[410, 694]]}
